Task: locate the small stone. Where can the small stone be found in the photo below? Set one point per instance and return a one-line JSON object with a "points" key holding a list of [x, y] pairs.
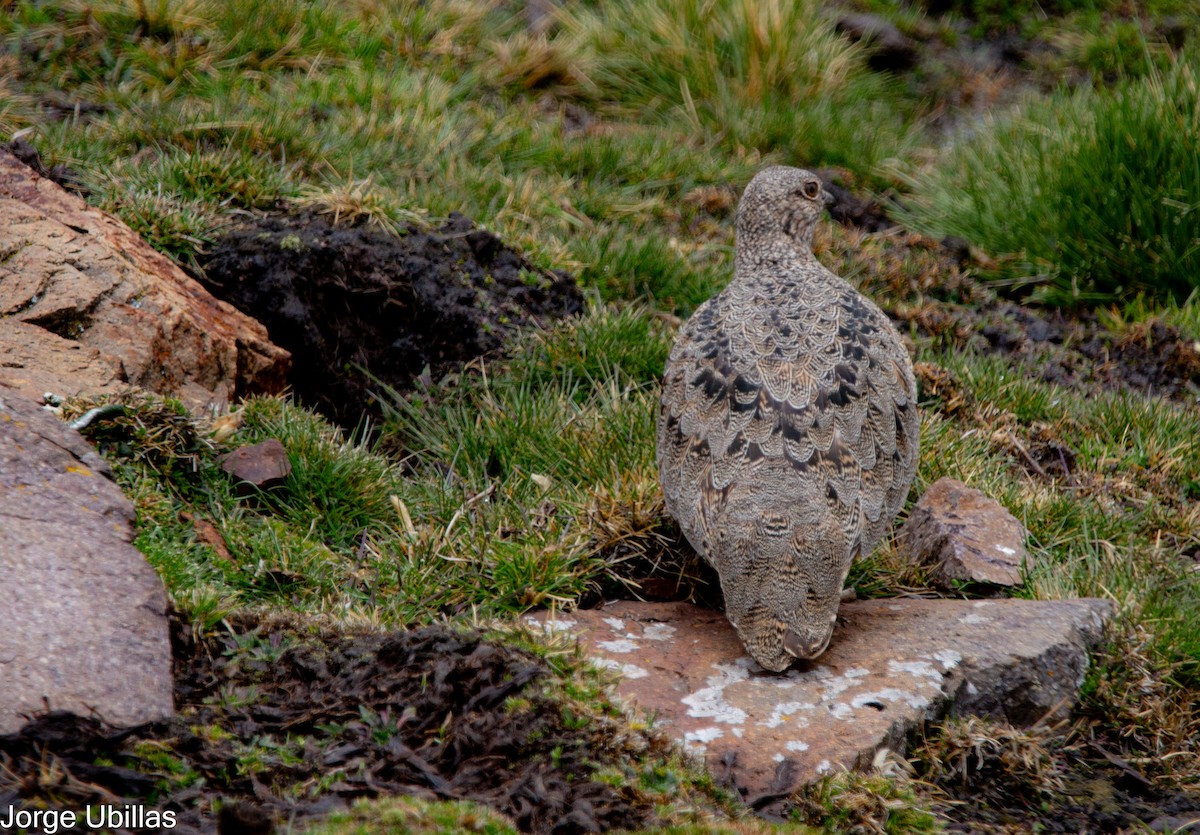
{"points": [[208, 534], [892, 665], [83, 623], [263, 464], [966, 536]]}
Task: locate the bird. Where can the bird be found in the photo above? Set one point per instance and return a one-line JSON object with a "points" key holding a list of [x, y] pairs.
{"points": [[787, 433]]}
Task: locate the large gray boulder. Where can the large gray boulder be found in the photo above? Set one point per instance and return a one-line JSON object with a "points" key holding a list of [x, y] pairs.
{"points": [[83, 623]]}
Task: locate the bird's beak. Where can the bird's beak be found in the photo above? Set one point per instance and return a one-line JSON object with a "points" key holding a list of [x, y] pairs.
{"points": [[794, 645], [827, 197]]}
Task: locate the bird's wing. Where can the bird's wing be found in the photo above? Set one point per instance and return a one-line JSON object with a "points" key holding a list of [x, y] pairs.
{"points": [[799, 408]]}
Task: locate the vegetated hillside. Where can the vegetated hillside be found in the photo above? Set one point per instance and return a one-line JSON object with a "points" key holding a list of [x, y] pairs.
{"points": [[609, 140]]}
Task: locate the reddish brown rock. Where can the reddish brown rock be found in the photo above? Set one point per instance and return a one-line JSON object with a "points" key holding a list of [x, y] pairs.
{"points": [[87, 306], [83, 623], [965, 536], [892, 665], [35, 360], [263, 464]]}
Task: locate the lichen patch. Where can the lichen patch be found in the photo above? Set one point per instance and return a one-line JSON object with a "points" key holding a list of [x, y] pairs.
{"points": [[710, 701], [619, 645]]}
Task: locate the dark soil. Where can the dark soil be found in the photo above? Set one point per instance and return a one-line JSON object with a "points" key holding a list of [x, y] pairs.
{"points": [[1098, 797], [660, 566], [1074, 350], [851, 209], [348, 300], [275, 727], [935, 291]]}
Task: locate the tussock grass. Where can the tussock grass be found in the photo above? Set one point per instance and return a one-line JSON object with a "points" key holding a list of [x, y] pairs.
{"points": [[168, 223], [1094, 195], [356, 201], [765, 75], [972, 751], [886, 801], [1112, 49], [1144, 708]]}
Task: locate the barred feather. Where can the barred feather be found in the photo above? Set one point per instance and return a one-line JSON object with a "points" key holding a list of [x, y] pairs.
{"points": [[788, 431]]}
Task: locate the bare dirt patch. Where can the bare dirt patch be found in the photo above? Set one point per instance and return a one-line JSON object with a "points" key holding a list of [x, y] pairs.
{"points": [[1072, 350], [349, 301]]}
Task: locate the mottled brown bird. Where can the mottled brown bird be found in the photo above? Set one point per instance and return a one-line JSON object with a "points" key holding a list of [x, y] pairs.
{"points": [[787, 430]]}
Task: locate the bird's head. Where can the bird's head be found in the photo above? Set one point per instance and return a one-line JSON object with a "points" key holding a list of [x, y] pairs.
{"points": [[782, 594], [781, 206], [778, 631]]}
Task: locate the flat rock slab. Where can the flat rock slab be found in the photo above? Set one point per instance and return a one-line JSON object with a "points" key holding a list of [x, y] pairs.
{"points": [[83, 623], [892, 665]]}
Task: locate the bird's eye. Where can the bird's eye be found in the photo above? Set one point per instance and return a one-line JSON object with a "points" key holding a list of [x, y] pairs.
{"points": [[812, 189]]}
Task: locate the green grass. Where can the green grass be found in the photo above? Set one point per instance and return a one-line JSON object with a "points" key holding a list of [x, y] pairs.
{"points": [[1135, 457], [1092, 195], [415, 111], [489, 511], [443, 107], [854, 802], [520, 454], [771, 76], [612, 145], [368, 817], [304, 545]]}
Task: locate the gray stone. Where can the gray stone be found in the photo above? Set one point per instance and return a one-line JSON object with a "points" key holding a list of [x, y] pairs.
{"points": [[892, 665], [965, 536], [83, 622], [1176, 824], [540, 16]]}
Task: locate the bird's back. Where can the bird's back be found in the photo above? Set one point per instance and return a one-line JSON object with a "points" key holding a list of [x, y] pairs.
{"points": [[787, 441], [797, 397]]}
